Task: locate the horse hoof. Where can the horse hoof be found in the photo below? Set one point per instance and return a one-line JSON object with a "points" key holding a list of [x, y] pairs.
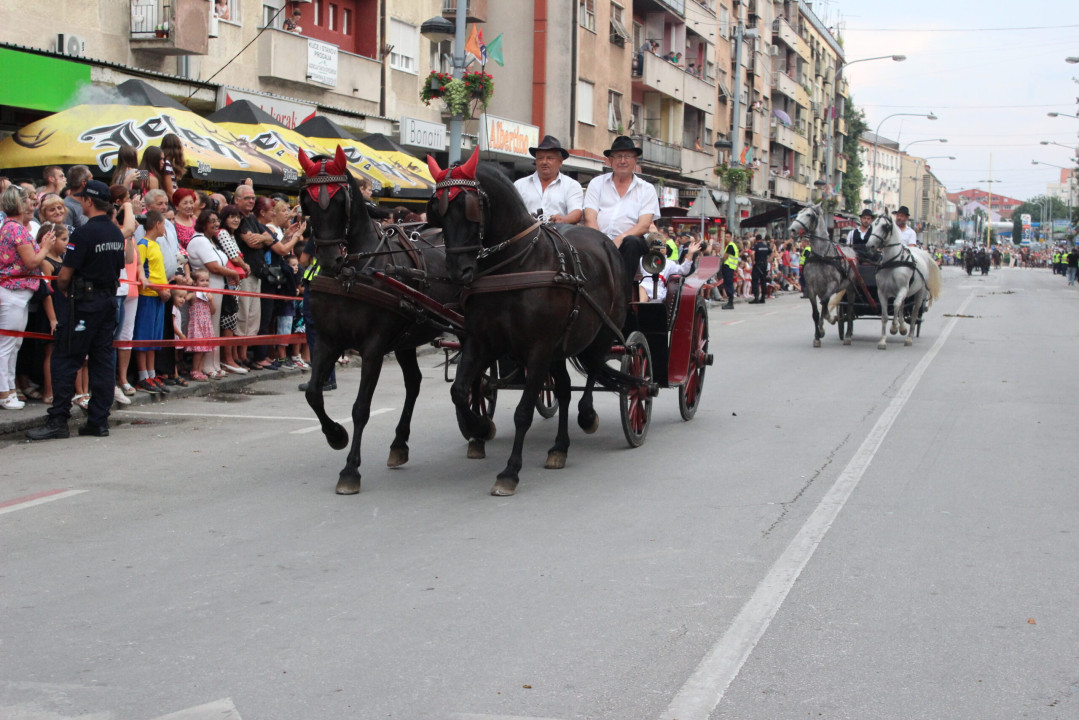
{"points": [[846, 341], [816, 342], [493, 431], [504, 487], [348, 485], [556, 460], [882, 346], [589, 428], [908, 342], [893, 329], [476, 449], [337, 437], [398, 457]]}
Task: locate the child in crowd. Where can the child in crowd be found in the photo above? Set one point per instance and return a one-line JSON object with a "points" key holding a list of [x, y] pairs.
{"points": [[295, 353], [150, 316], [199, 323], [285, 309]]}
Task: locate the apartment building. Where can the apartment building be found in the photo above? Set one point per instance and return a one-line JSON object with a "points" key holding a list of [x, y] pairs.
{"points": [[883, 165], [925, 195]]}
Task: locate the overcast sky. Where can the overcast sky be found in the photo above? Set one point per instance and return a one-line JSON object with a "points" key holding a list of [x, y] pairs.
{"points": [[977, 66]]}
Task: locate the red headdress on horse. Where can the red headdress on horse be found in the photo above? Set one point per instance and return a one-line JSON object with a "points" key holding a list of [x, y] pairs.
{"points": [[466, 172], [326, 177]]}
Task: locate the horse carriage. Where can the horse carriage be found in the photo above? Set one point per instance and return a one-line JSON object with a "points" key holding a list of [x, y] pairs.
{"points": [[899, 283], [524, 298]]}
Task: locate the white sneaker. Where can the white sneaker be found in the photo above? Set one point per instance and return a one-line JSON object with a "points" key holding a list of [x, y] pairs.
{"points": [[121, 398], [299, 362], [12, 402]]}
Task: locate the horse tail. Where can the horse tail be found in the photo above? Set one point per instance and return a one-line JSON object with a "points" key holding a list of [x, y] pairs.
{"points": [[933, 281]]}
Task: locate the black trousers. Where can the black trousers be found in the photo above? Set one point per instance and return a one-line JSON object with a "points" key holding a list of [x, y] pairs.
{"points": [[165, 358], [85, 334], [312, 334], [267, 325], [728, 281], [760, 279]]}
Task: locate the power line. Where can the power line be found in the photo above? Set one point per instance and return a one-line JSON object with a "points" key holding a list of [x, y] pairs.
{"points": [[961, 30], [266, 27]]}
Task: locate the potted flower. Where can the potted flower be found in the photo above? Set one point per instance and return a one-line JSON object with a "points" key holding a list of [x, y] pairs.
{"points": [[433, 86], [734, 178]]}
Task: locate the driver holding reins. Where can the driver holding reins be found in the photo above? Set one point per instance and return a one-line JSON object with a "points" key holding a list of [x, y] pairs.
{"points": [[547, 192]]}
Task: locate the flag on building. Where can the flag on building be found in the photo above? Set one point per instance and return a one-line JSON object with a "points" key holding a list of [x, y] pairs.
{"points": [[494, 50], [475, 45]]}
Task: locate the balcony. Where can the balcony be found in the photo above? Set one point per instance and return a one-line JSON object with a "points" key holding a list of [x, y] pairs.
{"points": [[170, 27], [669, 79], [841, 163], [283, 56], [782, 29], [475, 10], [698, 165], [844, 88], [801, 96], [784, 84], [782, 187], [840, 126], [657, 152], [783, 135], [801, 145], [802, 48]]}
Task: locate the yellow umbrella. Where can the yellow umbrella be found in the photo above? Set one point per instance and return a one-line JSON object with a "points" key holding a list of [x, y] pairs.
{"points": [[401, 174], [254, 125], [91, 135]]}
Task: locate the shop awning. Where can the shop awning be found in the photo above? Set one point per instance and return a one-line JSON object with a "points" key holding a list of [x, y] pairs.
{"points": [[782, 213]]}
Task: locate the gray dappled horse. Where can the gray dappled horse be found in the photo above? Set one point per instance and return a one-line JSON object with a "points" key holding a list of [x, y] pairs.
{"points": [[905, 273], [827, 275]]}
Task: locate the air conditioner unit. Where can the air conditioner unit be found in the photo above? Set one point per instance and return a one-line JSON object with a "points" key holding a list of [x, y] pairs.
{"points": [[71, 45], [774, 50]]}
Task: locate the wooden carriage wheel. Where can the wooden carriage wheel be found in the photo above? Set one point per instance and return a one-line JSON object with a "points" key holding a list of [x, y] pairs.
{"points": [[689, 392], [635, 403]]}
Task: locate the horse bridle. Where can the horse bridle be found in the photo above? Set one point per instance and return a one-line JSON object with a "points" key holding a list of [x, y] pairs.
{"points": [[476, 203], [324, 180]]}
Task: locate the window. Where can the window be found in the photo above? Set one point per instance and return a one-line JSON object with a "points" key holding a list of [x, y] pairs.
{"points": [[614, 112], [587, 16], [442, 56], [405, 40], [272, 13], [331, 18], [346, 21], [724, 22], [233, 15], [619, 34], [585, 93], [318, 12]]}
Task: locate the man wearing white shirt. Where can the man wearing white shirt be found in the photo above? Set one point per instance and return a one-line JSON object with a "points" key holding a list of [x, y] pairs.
{"points": [[559, 199], [906, 233], [619, 203]]}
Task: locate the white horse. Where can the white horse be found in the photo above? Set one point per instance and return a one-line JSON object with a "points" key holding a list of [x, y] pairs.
{"points": [[828, 272], [905, 273]]}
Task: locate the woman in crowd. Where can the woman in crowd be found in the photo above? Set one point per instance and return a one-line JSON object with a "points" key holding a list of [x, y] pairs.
{"points": [[268, 212], [204, 254], [230, 218], [172, 147], [152, 176], [127, 295], [127, 167], [185, 201], [52, 210], [20, 256]]}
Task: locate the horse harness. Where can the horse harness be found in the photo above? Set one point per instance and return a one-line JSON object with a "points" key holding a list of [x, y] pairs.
{"points": [[905, 259], [843, 264]]}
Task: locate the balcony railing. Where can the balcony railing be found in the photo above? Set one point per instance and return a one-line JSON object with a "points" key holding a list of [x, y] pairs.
{"points": [[783, 135], [475, 10], [658, 152], [785, 84], [170, 27]]}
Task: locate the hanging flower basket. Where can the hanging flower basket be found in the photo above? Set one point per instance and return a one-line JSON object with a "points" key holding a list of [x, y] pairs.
{"points": [[434, 86], [734, 178], [480, 86]]}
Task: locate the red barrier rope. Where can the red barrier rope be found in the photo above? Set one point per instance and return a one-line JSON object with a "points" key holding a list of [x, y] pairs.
{"points": [[188, 288], [254, 340]]}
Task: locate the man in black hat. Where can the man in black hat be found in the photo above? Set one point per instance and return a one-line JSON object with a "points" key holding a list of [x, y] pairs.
{"points": [[86, 317], [547, 192], [860, 235], [906, 233], [619, 203]]}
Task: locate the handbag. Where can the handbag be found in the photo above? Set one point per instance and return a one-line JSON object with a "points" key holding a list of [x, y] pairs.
{"points": [[273, 275]]}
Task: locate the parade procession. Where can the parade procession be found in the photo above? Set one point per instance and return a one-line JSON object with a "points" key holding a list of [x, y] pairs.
{"points": [[250, 248]]}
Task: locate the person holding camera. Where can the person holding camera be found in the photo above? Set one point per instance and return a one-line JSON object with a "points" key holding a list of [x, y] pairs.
{"points": [[655, 284], [86, 317]]}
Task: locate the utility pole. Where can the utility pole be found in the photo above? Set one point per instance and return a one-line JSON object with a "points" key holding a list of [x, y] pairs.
{"points": [[740, 32]]}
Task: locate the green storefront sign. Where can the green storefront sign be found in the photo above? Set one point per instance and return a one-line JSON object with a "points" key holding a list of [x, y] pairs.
{"points": [[40, 82]]}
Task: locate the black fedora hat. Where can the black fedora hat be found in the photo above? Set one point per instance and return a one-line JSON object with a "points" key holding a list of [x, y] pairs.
{"points": [[623, 142], [866, 212], [903, 210], [549, 142]]}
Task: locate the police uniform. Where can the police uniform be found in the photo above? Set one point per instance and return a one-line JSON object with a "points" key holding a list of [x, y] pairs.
{"points": [[86, 321], [730, 264], [761, 251]]}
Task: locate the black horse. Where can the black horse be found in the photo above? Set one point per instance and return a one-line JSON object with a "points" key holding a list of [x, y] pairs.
{"points": [[353, 310], [538, 294]]}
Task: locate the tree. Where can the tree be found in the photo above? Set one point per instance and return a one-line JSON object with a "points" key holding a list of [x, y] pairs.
{"points": [[955, 232], [853, 178]]}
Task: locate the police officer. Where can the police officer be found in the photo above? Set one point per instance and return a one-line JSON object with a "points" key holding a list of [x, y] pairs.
{"points": [[762, 255], [730, 265], [86, 317]]}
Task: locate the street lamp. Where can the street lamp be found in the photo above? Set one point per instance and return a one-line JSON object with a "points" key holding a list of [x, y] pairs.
{"points": [[989, 211], [876, 142], [740, 32], [830, 155], [1072, 60], [915, 142], [1050, 142], [438, 29], [1059, 114]]}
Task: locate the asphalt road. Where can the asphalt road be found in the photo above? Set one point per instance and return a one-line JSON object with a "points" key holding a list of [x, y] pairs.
{"points": [[840, 533]]}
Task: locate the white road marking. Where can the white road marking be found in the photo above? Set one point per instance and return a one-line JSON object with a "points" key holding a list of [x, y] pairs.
{"points": [[705, 688], [471, 716], [38, 499], [216, 710], [313, 428]]}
